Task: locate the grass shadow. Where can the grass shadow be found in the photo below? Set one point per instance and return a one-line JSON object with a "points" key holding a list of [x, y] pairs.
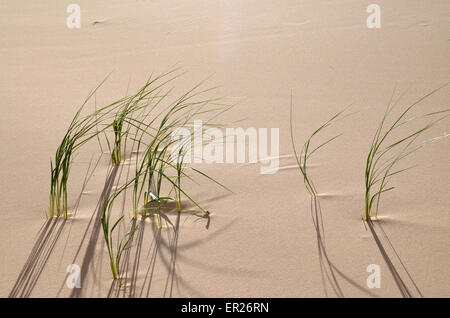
{"points": [[36, 261], [329, 271], [402, 286], [92, 231]]}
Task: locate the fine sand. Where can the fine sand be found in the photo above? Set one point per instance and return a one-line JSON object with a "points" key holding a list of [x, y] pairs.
{"points": [[260, 240]]}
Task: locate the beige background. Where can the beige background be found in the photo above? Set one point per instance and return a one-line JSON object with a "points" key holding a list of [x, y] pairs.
{"points": [[261, 241]]}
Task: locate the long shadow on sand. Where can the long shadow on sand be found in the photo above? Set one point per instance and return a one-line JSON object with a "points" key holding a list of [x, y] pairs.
{"points": [[43, 247], [162, 248], [93, 230], [36, 261], [402, 286], [329, 271]]}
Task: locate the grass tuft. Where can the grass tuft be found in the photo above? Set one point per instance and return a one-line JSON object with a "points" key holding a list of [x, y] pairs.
{"points": [[149, 119], [384, 155], [81, 130], [308, 150]]}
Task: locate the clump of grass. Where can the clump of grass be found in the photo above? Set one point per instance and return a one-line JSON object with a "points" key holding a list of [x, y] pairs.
{"points": [[156, 165], [118, 134], [84, 128], [307, 150], [134, 103], [384, 155], [115, 251], [80, 131], [151, 120]]}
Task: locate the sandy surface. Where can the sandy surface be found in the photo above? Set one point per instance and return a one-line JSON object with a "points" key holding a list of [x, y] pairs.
{"points": [[261, 240]]}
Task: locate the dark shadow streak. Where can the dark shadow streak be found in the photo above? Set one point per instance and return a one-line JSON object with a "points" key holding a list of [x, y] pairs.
{"points": [[132, 260], [96, 221], [38, 258], [328, 269], [46, 240], [406, 293]]}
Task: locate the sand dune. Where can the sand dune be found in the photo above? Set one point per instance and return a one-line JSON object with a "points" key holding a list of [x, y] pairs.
{"points": [[260, 240]]}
